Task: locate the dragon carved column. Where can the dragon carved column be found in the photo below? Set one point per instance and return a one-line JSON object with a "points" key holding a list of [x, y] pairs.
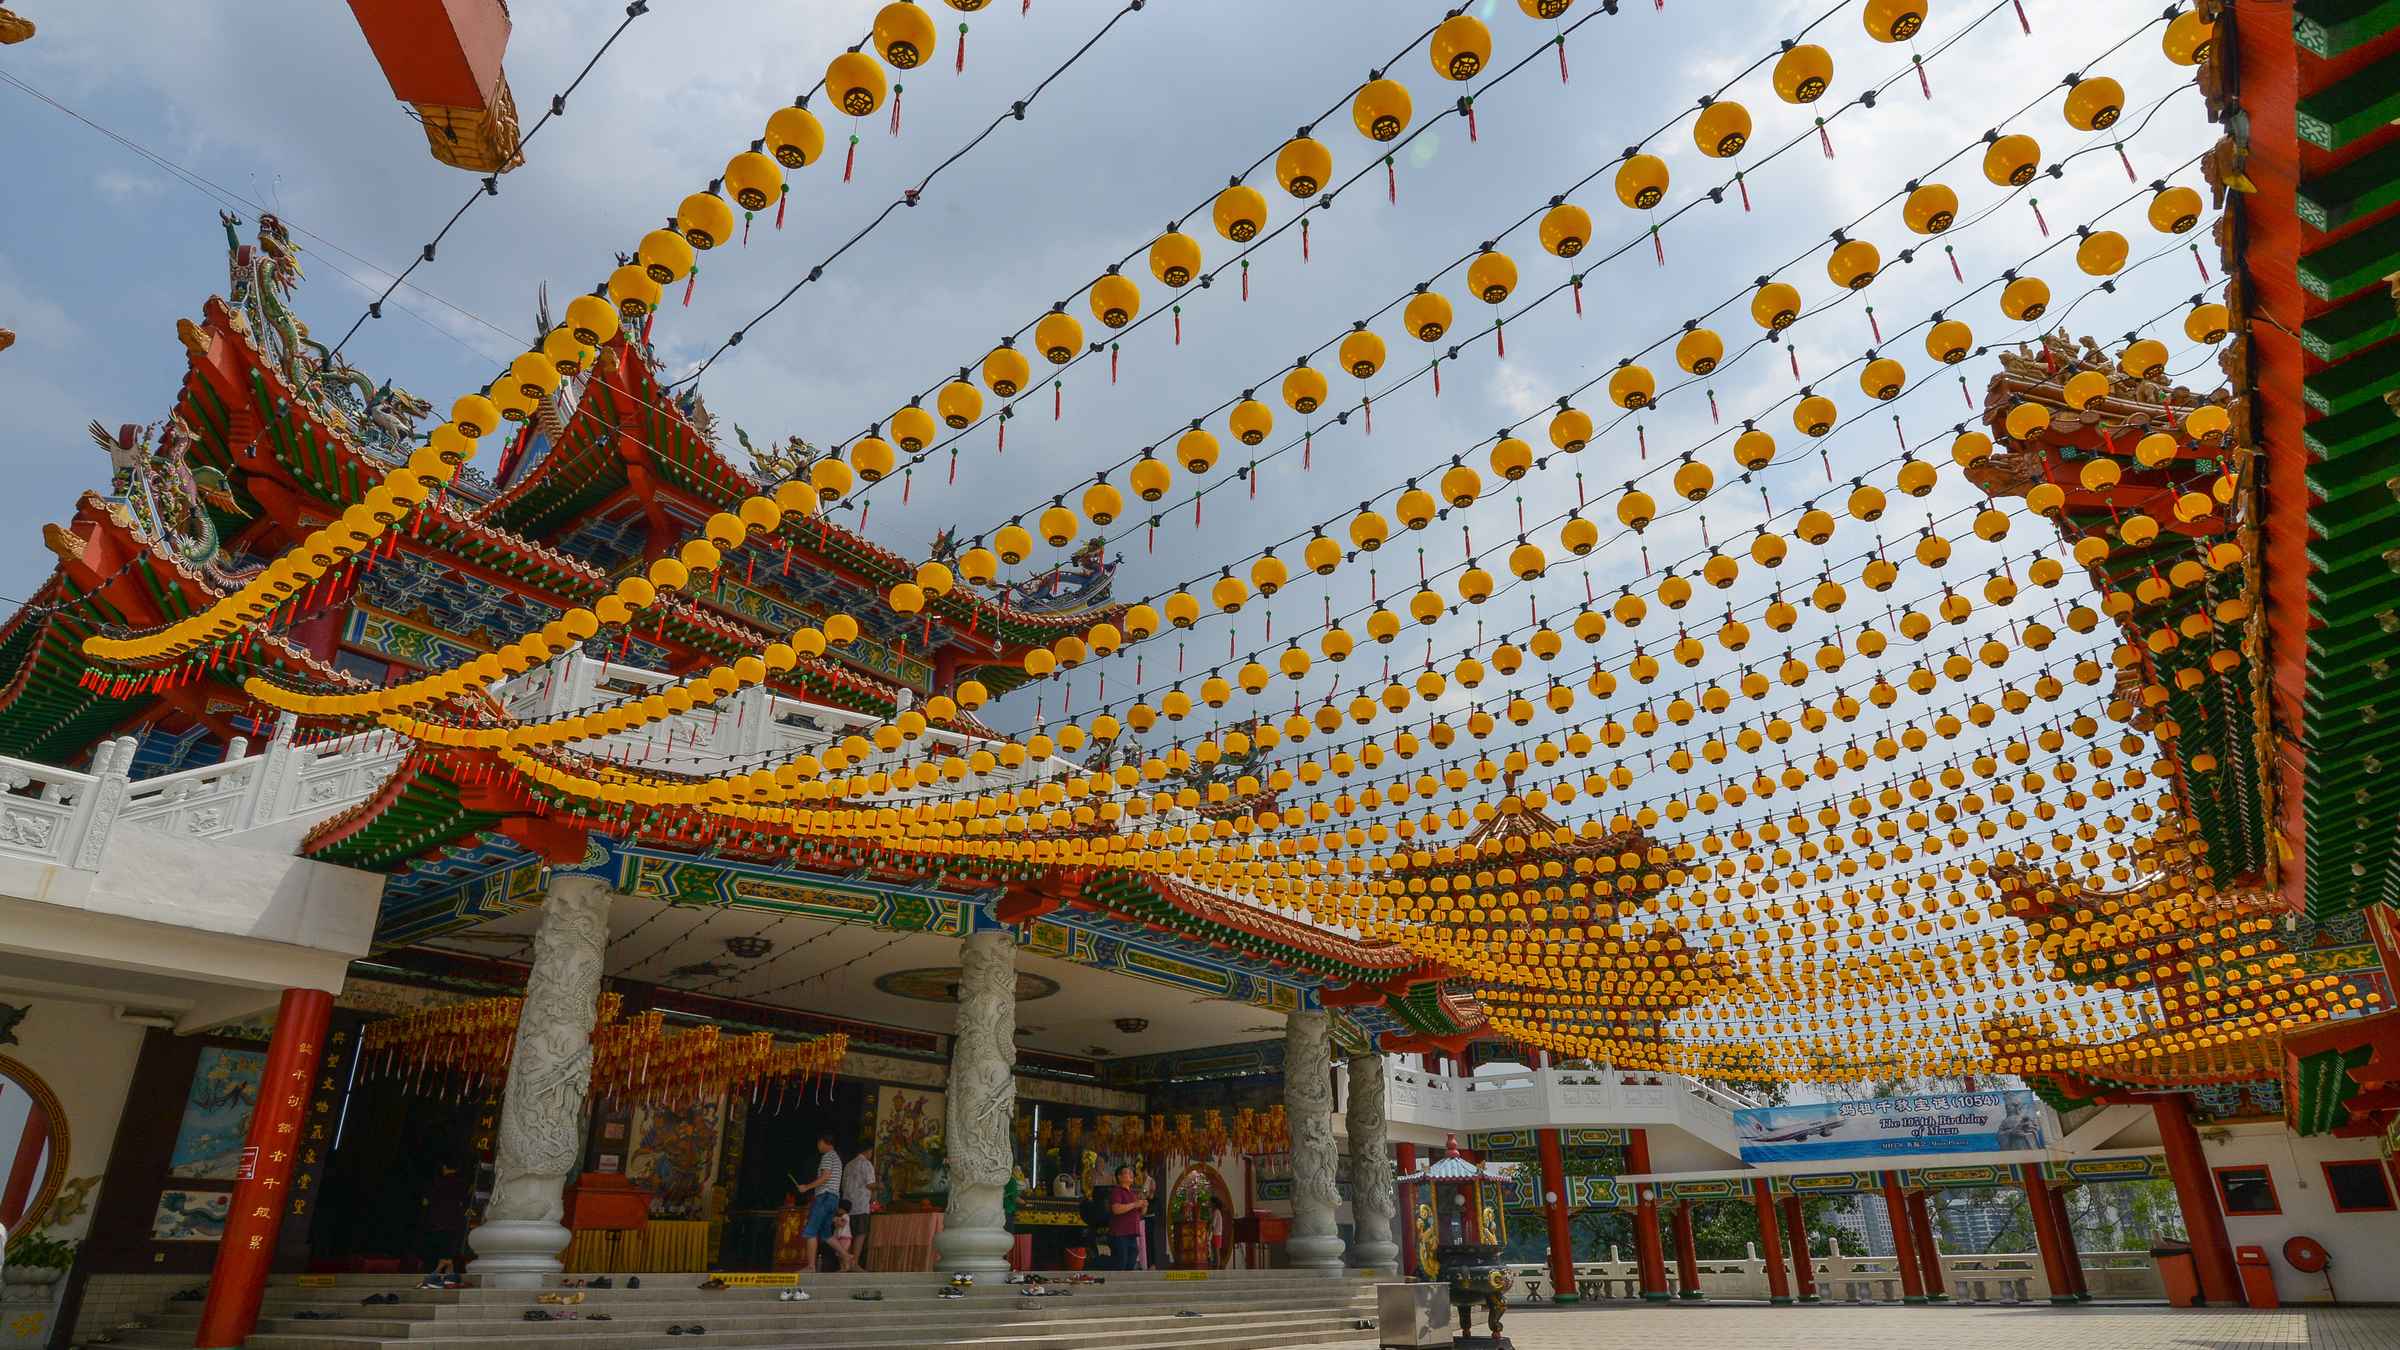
{"points": [[542, 1107], [1308, 1101], [1374, 1186], [982, 1095]]}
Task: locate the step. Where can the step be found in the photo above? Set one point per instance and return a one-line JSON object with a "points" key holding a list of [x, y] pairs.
{"points": [[629, 1315], [1098, 1334], [509, 1304]]}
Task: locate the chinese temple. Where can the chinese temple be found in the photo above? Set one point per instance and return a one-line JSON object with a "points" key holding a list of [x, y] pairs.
{"points": [[458, 858]]}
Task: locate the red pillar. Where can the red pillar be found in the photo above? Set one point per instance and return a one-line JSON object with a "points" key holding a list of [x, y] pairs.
{"points": [[2045, 1234], [1795, 1227], [1770, 1243], [1408, 1212], [2067, 1250], [1648, 1253], [1554, 1211], [256, 1213], [26, 1165], [1687, 1252], [2196, 1192], [1929, 1254], [1895, 1207]]}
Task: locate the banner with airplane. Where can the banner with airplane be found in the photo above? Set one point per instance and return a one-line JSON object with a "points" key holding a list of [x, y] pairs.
{"points": [[1891, 1127]]}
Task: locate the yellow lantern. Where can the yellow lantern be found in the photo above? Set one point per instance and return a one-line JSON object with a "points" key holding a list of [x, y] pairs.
{"points": [[2094, 103], [1303, 165], [1150, 478], [2102, 253], [1631, 386], [2025, 420], [2206, 323], [913, 428], [665, 255], [1699, 350], [1459, 48], [1427, 315], [1361, 353], [1058, 526], [1491, 276], [855, 83], [1642, 181], [2025, 298], [1775, 306], [959, 404], [1174, 258], [1012, 542], [2013, 160], [1753, 449], [1930, 208], [1196, 449], [795, 137], [904, 35], [635, 293], [1102, 503], [1006, 371], [979, 564], [2174, 210], [871, 457], [1693, 480], [2189, 38], [1461, 486], [1059, 336], [1636, 510], [1381, 110], [1579, 536], [1571, 429], [1949, 341], [1368, 531], [704, 219], [1511, 458], [1240, 212], [1815, 415], [1115, 299], [1882, 378], [1802, 73], [1565, 229], [2144, 359], [1893, 20], [1250, 420], [2083, 387], [1722, 128], [1304, 389]]}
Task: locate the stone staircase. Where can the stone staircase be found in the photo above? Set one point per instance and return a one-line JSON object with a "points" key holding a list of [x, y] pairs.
{"points": [[1246, 1310]]}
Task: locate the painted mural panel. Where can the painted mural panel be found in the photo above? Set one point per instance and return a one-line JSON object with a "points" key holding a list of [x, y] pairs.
{"points": [[216, 1114]]}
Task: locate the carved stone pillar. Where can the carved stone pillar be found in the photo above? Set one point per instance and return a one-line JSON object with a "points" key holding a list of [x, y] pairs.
{"points": [[542, 1108], [1374, 1186], [982, 1096], [1308, 1101]]}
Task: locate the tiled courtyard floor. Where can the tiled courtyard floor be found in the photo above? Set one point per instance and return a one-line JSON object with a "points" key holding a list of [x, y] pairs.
{"points": [[2099, 1327]]}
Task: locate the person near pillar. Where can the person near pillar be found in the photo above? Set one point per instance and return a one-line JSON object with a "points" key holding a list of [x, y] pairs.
{"points": [[255, 1213], [1374, 1189], [2196, 1194], [981, 1098], [1895, 1208], [1308, 1105], [1770, 1241], [543, 1103], [1795, 1229]]}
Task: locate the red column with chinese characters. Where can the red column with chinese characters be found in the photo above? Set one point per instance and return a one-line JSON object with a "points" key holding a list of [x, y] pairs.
{"points": [[1770, 1241], [1650, 1254], [1554, 1216], [1795, 1230], [1895, 1208], [256, 1213], [1408, 1212]]}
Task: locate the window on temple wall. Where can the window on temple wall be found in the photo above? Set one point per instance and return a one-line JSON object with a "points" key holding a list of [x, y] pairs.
{"points": [[2358, 1186], [2247, 1191]]}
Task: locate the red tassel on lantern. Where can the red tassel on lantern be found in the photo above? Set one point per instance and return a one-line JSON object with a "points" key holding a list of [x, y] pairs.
{"points": [[1500, 337], [1823, 139], [960, 66], [1742, 185], [1391, 181], [1576, 287], [1953, 256], [1922, 82], [850, 160], [1437, 377], [896, 109], [2125, 160], [1562, 58], [1369, 405], [2022, 21], [2036, 203], [1178, 325], [690, 280], [1304, 239], [1245, 281], [781, 202]]}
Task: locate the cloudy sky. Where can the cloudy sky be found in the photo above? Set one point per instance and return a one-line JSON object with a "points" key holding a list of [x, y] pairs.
{"points": [[284, 107]]}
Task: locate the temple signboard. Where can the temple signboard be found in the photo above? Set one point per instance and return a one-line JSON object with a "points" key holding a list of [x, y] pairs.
{"points": [[1891, 1127]]}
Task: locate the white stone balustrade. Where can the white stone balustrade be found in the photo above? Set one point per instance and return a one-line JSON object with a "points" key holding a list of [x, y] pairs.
{"points": [[1561, 1099]]}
